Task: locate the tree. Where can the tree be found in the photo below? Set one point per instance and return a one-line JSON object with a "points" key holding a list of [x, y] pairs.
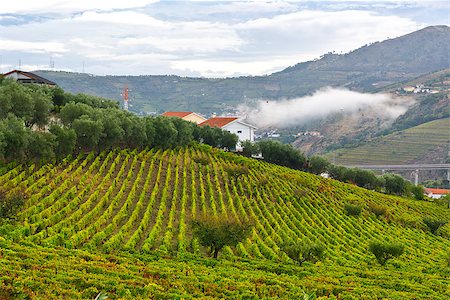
{"points": [[88, 133], [303, 251], [113, 132], [42, 106], [249, 148], [385, 251], [65, 139], [317, 165], [218, 232], [434, 224], [228, 140], [165, 132], [281, 154], [418, 192], [41, 145], [9, 205], [394, 184], [15, 137], [72, 111]]}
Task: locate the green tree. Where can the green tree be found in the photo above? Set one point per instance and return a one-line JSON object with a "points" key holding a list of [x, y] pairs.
{"points": [[165, 132], [317, 165], [395, 184], [41, 110], [88, 133], [303, 251], [113, 132], [218, 232], [41, 145], [385, 251], [281, 154], [72, 111], [418, 192], [249, 148], [228, 140], [434, 224], [15, 137], [65, 140]]}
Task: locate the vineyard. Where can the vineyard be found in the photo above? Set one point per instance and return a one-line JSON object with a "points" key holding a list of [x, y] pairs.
{"points": [[403, 147], [119, 222]]}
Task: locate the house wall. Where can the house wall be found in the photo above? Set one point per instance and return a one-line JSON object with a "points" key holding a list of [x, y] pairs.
{"points": [[244, 132], [194, 118]]}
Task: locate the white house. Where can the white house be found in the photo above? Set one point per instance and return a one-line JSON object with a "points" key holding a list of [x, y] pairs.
{"points": [[436, 193], [234, 125]]}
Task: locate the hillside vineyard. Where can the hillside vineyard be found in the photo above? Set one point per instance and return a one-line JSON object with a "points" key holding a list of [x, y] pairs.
{"points": [[126, 201]]}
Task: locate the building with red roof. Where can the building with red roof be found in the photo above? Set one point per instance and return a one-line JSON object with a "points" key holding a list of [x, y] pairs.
{"points": [[234, 125], [436, 193], [185, 115]]}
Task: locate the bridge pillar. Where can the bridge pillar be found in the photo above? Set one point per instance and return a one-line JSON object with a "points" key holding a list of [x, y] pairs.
{"points": [[416, 177]]}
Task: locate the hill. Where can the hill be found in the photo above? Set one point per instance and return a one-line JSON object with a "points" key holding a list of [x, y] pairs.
{"points": [[119, 222], [430, 101], [427, 143], [365, 69]]}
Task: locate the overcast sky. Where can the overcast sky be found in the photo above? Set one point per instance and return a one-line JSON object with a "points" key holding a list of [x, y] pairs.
{"points": [[197, 38]]}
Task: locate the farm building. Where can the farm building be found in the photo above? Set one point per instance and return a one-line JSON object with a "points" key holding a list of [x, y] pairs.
{"points": [[185, 115], [28, 77], [234, 125], [436, 193]]}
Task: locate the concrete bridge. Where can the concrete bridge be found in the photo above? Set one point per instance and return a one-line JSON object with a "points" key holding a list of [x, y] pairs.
{"points": [[412, 167]]}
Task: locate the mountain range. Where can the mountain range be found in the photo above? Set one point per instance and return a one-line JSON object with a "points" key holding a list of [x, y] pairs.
{"points": [[368, 68]]}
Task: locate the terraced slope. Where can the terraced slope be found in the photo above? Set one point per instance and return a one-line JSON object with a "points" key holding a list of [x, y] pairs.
{"points": [[408, 146], [122, 208]]}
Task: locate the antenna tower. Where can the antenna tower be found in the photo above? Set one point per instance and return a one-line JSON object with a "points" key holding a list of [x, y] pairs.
{"points": [[125, 97]]}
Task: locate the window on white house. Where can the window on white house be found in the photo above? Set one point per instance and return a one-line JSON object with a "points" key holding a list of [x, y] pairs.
{"points": [[239, 131]]}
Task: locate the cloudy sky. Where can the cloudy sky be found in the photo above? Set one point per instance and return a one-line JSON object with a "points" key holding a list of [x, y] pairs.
{"points": [[197, 38]]}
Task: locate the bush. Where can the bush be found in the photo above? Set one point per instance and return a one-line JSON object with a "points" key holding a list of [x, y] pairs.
{"points": [[378, 210], [216, 232], [304, 251], [236, 171], [203, 160], [385, 251], [352, 209], [9, 205], [434, 224]]}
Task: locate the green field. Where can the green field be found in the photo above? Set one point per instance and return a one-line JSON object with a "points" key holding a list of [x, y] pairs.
{"points": [[119, 222], [403, 147]]}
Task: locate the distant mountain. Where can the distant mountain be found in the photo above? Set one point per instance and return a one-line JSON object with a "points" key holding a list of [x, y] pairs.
{"points": [[368, 68]]}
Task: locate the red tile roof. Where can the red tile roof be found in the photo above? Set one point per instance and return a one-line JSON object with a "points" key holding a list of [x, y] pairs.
{"points": [[437, 191], [179, 114], [218, 121]]}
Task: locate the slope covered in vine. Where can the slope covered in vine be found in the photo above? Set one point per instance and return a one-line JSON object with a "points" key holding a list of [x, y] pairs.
{"points": [[113, 215]]}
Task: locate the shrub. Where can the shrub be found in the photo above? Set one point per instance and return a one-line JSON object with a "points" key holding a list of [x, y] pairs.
{"points": [[203, 160], [218, 232], [9, 205], [352, 209], [385, 251], [378, 210], [434, 224], [304, 251], [236, 171]]}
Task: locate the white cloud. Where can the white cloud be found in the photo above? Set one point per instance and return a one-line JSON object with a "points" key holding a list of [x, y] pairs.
{"points": [[33, 47], [322, 103], [66, 6]]}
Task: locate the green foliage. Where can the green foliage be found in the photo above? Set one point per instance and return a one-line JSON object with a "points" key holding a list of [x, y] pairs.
{"points": [[378, 210], [282, 154], [352, 209], [10, 205], [236, 171], [303, 251], [65, 140], [249, 148], [318, 164], [418, 192], [384, 251], [218, 232], [434, 224], [395, 184]]}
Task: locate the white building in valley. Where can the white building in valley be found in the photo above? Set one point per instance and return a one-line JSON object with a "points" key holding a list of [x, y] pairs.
{"points": [[234, 125]]}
